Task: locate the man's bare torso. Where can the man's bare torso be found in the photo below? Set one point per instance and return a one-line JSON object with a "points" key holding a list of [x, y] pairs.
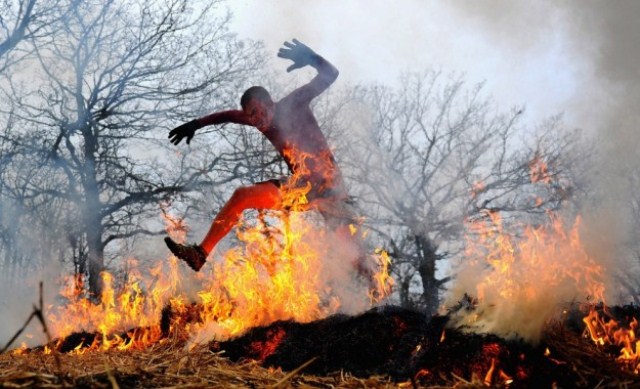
{"points": [[296, 135]]}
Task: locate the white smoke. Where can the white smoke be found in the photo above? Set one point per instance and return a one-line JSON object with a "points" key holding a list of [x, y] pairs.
{"points": [[601, 38]]}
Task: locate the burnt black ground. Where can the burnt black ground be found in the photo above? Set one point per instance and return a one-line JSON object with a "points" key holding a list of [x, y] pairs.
{"points": [[405, 344]]}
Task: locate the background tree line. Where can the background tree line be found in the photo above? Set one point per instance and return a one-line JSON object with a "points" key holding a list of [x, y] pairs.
{"points": [[89, 90]]}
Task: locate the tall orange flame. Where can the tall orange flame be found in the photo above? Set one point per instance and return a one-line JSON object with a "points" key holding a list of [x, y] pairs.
{"points": [[287, 265], [521, 279]]}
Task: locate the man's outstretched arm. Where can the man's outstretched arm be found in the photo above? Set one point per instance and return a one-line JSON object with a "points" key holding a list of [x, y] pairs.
{"points": [[302, 55], [188, 130]]}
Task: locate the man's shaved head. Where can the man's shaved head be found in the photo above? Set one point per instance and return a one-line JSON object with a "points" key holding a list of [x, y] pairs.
{"points": [[255, 93]]}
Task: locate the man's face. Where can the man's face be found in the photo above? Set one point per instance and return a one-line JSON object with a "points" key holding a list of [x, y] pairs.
{"points": [[260, 114]]}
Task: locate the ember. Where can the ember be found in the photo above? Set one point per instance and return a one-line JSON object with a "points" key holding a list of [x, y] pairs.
{"points": [[379, 341], [408, 346]]}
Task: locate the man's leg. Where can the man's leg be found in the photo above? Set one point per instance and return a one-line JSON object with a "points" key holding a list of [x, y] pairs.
{"points": [[341, 217], [349, 232], [263, 195]]}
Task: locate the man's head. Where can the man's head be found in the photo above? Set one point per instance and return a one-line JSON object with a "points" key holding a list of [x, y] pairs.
{"points": [[258, 105]]}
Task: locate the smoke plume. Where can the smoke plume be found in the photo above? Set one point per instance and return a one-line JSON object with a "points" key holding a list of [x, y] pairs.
{"points": [[601, 37]]}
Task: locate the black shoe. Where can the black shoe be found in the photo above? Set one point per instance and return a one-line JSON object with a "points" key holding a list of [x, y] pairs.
{"points": [[193, 255]]}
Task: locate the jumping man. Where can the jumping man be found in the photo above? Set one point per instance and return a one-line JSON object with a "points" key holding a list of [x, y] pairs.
{"points": [[293, 130]]}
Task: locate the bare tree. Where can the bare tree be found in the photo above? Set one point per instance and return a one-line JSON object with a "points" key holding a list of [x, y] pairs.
{"points": [[24, 21], [110, 81], [431, 154]]}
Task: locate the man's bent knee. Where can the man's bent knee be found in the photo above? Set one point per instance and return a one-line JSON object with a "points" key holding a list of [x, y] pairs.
{"points": [[263, 195]]}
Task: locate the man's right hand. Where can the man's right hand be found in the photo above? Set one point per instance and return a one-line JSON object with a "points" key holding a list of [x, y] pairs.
{"points": [[186, 130], [298, 52]]}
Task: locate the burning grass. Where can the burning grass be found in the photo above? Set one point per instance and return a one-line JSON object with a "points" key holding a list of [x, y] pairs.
{"points": [[271, 305], [384, 347], [284, 268]]}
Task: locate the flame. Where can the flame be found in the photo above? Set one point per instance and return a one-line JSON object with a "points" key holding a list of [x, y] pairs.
{"points": [[23, 349], [137, 304], [488, 378], [286, 265], [477, 188], [520, 278], [608, 331], [279, 273], [538, 170], [383, 281]]}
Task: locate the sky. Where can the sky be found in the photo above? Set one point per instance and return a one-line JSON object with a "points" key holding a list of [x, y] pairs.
{"points": [[527, 54]]}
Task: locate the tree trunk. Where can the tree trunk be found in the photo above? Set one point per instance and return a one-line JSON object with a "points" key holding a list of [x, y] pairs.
{"points": [[92, 216], [96, 254], [404, 291], [427, 269]]}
